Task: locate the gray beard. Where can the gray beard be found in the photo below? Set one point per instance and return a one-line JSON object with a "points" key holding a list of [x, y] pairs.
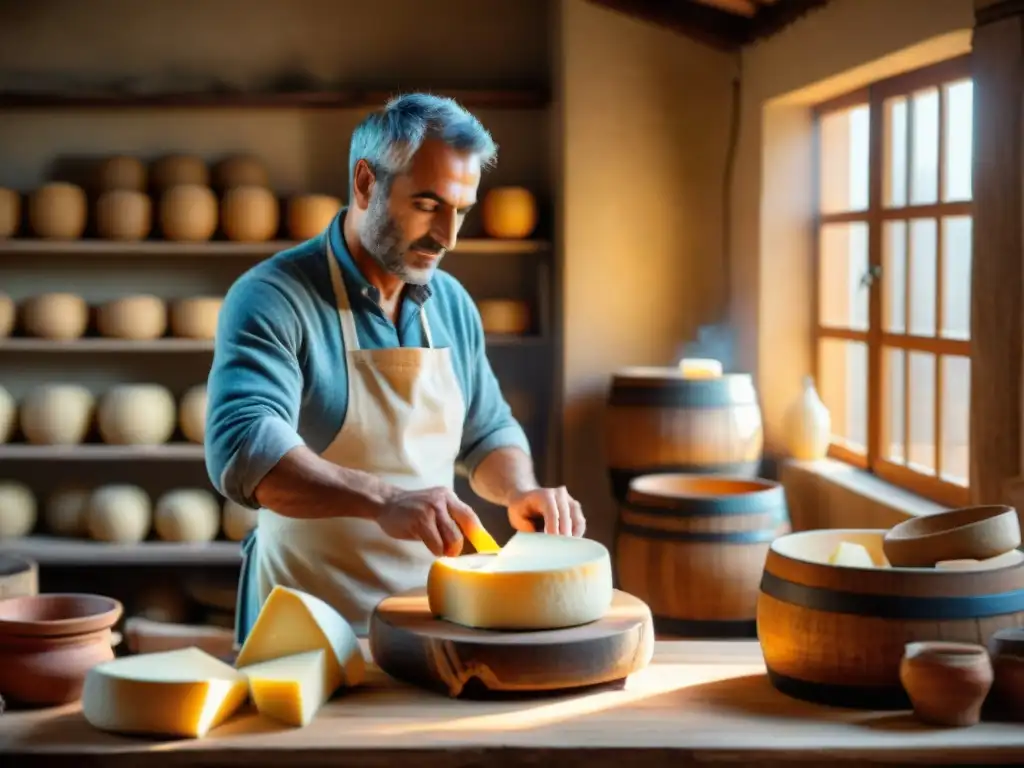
{"points": [[381, 237]]}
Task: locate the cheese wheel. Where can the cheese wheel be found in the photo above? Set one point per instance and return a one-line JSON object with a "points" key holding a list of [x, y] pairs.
{"points": [[509, 212], [249, 214], [57, 316], [65, 511], [58, 211], [291, 689], [121, 172], [536, 581], [8, 311], [187, 514], [17, 509], [181, 693], [57, 414], [119, 513], [133, 317], [504, 316], [309, 215], [8, 414], [195, 318], [177, 170], [242, 170], [10, 213], [237, 520], [137, 414], [290, 622], [192, 414], [123, 214], [188, 213]]}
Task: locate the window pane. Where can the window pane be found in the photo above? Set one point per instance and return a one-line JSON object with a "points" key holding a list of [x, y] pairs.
{"points": [[894, 275], [843, 259], [921, 451], [959, 140], [843, 378], [956, 400], [895, 176], [924, 177], [893, 392], [922, 277], [843, 163], [956, 277]]}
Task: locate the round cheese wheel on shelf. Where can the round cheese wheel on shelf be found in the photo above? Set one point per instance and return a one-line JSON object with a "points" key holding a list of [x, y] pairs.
{"points": [[58, 211], [536, 581], [121, 172], [196, 317], [57, 414], [249, 214], [237, 520], [241, 170], [178, 169], [8, 311], [187, 514], [124, 214], [120, 513], [8, 414], [17, 509], [309, 215], [504, 316], [10, 212], [192, 413], [137, 414], [58, 316], [509, 212], [188, 213], [64, 513], [133, 317]]}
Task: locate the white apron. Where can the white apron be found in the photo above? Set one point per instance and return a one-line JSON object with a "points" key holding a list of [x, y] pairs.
{"points": [[403, 424]]}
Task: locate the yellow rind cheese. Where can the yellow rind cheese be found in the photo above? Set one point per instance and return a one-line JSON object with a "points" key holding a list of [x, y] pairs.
{"points": [[536, 581], [180, 693], [290, 689]]}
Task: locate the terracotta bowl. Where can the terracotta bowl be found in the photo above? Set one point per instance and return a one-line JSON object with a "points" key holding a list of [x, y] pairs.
{"points": [[49, 642], [947, 682], [970, 533], [1006, 647]]}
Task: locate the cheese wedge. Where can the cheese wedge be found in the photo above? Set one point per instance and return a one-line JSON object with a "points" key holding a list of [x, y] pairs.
{"points": [[481, 540], [290, 689], [851, 555], [536, 581], [184, 692], [292, 622]]}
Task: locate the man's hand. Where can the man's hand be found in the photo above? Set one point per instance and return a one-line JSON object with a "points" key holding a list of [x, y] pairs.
{"points": [[552, 510], [435, 516]]}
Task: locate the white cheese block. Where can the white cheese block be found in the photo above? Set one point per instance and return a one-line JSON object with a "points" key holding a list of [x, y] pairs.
{"points": [[290, 689], [536, 581], [184, 692], [292, 622], [851, 555]]}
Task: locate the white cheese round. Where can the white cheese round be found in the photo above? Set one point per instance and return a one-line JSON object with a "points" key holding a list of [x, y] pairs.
{"points": [[8, 414], [137, 318], [137, 414], [17, 509], [119, 513], [57, 316], [192, 414], [187, 514], [57, 414]]}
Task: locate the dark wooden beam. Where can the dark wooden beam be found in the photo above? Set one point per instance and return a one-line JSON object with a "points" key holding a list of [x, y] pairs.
{"points": [[772, 19]]}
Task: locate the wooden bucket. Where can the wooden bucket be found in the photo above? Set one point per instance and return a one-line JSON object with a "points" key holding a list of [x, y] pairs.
{"points": [[835, 634], [693, 548], [660, 421], [19, 577]]}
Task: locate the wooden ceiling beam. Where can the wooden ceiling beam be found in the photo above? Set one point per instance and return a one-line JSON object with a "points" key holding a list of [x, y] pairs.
{"points": [[745, 8]]}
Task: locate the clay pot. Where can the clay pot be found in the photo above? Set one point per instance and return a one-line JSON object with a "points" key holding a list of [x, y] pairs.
{"points": [[947, 682], [49, 642], [1006, 647]]}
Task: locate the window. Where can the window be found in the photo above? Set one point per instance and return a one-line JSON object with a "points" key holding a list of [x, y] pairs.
{"points": [[893, 274]]}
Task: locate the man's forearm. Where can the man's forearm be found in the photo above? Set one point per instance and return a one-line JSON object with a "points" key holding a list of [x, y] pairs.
{"points": [[502, 475], [303, 485]]}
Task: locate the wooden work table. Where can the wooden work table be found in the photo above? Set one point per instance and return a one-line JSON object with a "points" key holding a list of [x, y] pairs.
{"points": [[697, 702]]}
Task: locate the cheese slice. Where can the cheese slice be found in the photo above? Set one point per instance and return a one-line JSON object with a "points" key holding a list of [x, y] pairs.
{"points": [[481, 540], [184, 692], [290, 689], [536, 581], [291, 622], [851, 555]]}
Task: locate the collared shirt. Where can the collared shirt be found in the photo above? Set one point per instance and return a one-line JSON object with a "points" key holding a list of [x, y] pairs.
{"points": [[278, 378]]}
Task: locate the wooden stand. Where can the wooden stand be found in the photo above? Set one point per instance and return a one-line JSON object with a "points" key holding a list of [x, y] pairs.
{"points": [[413, 646]]}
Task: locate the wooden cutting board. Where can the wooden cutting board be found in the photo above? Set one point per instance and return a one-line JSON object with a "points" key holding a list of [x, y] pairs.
{"points": [[409, 644]]}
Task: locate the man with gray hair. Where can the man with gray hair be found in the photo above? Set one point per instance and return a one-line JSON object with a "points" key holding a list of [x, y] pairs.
{"points": [[350, 376]]}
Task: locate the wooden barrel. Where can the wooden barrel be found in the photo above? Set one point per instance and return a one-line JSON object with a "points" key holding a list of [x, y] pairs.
{"points": [[660, 421], [835, 634], [19, 577], [693, 548]]}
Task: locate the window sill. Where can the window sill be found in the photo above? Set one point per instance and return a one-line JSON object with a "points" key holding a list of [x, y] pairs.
{"points": [[831, 494]]}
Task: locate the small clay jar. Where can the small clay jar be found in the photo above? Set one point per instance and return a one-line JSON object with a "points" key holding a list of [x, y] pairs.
{"points": [[1006, 647], [947, 682]]}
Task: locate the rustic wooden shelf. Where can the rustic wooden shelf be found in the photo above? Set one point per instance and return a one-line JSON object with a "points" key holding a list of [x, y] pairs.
{"points": [[55, 550], [340, 98], [102, 452], [90, 247]]}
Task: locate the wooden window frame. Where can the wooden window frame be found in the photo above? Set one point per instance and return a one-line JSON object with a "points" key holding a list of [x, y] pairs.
{"points": [[876, 338]]}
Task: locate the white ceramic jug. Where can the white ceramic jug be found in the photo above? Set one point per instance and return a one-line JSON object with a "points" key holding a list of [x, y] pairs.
{"points": [[808, 425]]}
